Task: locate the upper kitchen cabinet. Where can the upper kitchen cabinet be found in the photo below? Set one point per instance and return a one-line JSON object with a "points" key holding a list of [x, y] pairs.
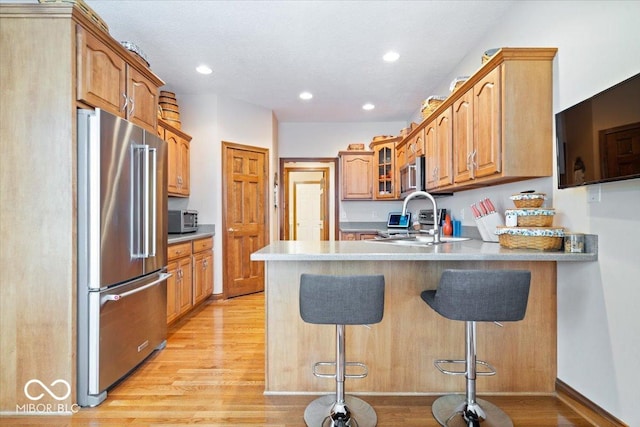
{"points": [[384, 170], [496, 127], [356, 168], [502, 119], [118, 83], [178, 160]]}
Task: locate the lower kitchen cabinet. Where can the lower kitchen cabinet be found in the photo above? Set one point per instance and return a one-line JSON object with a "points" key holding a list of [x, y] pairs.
{"points": [[360, 235], [179, 285], [202, 269], [191, 267]]}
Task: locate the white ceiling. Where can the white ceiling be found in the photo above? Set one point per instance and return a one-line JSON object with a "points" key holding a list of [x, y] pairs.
{"points": [[267, 52]]}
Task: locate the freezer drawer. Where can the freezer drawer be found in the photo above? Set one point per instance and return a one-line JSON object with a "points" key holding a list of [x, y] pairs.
{"points": [[132, 323]]}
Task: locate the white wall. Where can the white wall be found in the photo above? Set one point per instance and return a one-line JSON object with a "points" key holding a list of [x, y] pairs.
{"points": [[326, 140], [210, 119]]}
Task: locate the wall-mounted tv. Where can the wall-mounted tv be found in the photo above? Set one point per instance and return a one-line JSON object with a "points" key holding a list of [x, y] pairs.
{"points": [[598, 139]]}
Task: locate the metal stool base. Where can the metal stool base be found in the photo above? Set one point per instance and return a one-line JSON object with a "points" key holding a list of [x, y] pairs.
{"points": [[318, 412], [447, 411]]}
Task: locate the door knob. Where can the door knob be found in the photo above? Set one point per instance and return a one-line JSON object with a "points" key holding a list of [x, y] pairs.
{"points": [[231, 230]]}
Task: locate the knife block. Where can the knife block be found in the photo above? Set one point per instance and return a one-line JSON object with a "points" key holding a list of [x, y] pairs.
{"points": [[487, 226]]}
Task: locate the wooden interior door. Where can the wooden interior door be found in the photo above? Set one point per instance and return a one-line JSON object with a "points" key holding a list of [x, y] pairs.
{"points": [[316, 173], [244, 172]]}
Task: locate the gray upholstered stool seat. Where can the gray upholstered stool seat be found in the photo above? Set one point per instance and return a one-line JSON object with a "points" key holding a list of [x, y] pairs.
{"points": [[340, 301], [476, 296]]}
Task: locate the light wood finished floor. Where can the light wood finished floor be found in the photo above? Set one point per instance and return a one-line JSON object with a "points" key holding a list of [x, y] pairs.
{"points": [[212, 374]]}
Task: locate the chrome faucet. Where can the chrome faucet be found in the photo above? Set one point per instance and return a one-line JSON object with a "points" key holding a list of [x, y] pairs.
{"points": [[436, 221]]}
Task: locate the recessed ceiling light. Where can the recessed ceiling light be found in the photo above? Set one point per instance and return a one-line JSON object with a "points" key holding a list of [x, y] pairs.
{"points": [[391, 56], [306, 95], [368, 107], [203, 69]]}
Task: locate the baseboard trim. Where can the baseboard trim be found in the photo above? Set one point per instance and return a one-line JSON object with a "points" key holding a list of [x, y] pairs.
{"points": [[585, 407]]}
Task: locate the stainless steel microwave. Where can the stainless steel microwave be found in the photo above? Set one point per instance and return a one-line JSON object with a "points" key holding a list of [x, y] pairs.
{"points": [[182, 221], [412, 177]]}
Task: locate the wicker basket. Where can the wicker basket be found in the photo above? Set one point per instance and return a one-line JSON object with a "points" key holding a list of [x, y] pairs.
{"points": [[533, 217], [540, 238], [457, 82], [528, 200], [541, 243], [170, 115], [486, 56], [431, 104]]}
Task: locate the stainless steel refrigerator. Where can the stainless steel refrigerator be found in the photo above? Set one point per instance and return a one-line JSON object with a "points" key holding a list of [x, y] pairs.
{"points": [[122, 250]]}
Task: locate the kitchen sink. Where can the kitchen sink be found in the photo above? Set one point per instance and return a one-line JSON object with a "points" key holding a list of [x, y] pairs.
{"points": [[420, 240]]}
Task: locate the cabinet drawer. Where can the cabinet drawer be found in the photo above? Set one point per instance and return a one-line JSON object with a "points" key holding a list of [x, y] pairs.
{"points": [[202, 244], [179, 250]]}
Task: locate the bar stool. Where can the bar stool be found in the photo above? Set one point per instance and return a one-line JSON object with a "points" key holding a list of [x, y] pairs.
{"points": [[340, 301], [476, 296]]}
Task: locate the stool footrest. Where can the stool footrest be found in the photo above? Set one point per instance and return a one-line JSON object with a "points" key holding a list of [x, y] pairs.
{"points": [[362, 374], [491, 370]]}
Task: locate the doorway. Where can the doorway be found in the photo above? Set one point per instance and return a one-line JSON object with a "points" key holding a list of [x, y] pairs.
{"points": [[309, 204], [244, 217]]}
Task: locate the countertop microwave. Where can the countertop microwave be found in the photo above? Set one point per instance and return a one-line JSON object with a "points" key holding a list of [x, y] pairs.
{"points": [[182, 221], [412, 177]]}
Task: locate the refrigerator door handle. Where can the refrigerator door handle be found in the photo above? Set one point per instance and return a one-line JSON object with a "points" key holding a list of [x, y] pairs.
{"points": [[117, 297], [145, 200], [151, 236]]}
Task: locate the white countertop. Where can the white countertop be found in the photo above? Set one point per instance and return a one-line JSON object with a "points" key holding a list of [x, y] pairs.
{"points": [[363, 250], [204, 230]]}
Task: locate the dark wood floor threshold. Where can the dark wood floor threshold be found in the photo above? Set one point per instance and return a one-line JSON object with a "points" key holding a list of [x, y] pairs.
{"points": [[585, 407]]}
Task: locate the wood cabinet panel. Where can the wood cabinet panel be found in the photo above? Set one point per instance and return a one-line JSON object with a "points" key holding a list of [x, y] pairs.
{"points": [[384, 174], [431, 155], [102, 74], [143, 99], [202, 275], [107, 81], [444, 143], [397, 342], [185, 285], [356, 175], [463, 141], [178, 160], [487, 158]]}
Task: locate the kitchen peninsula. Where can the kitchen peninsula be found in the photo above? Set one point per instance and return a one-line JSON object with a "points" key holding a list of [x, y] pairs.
{"points": [[401, 349]]}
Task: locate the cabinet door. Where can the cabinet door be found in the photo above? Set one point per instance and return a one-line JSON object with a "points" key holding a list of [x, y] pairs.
{"points": [[463, 146], [173, 162], [385, 172], [431, 155], [202, 275], [102, 76], [142, 108], [185, 286], [357, 176], [444, 137], [172, 292], [208, 282], [184, 171], [487, 114]]}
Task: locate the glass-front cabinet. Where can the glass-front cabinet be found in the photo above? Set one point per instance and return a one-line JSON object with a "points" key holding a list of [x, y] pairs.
{"points": [[384, 168]]}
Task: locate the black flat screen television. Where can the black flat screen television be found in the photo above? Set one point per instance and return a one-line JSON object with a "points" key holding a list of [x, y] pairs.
{"points": [[598, 139]]}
